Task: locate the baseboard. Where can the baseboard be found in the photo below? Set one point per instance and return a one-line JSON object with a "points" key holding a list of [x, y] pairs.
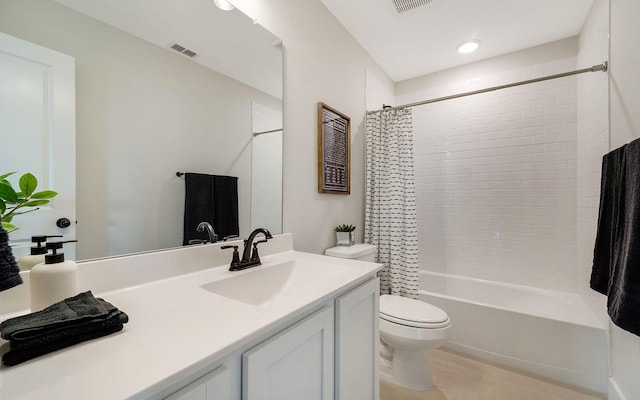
{"points": [[614, 391]]}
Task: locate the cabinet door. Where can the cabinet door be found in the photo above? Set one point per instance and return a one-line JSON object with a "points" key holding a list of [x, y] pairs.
{"points": [[357, 343], [216, 385], [295, 364]]}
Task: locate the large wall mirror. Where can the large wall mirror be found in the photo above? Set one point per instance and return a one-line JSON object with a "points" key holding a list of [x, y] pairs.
{"points": [[145, 109]]}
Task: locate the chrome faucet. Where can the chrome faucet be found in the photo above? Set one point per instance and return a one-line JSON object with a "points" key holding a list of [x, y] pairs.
{"points": [[249, 258], [202, 226]]}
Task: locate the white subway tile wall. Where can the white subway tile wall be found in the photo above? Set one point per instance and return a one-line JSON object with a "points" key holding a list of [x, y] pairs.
{"points": [[496, 179]]}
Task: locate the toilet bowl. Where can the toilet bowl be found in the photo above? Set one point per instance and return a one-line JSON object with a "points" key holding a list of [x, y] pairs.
{"points": [[408, 328]]}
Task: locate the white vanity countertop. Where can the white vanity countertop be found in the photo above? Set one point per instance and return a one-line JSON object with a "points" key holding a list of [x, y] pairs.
{"points": [[177, 327]]}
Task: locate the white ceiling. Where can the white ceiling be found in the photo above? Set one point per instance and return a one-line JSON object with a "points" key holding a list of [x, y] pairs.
{"points": [[425, 39], [226, 41]]}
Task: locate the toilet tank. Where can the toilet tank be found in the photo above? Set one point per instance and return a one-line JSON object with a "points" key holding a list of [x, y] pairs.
{"points": [[360, 251]]}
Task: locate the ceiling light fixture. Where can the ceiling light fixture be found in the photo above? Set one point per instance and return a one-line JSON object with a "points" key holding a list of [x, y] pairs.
{"points": [[224, 5], [468, 47]]}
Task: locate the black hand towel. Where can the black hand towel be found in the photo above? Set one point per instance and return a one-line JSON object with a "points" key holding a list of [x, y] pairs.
{"points": [[198, 205], [623, 302], [225, 194], [74, 311], [52, 337], [17, 356], [9, 271], [212, 199], [611, 206], [71, 321]]}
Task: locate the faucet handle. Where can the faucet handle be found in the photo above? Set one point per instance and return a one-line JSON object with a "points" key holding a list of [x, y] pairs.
{"points": [[235, 261], [254, 254]]}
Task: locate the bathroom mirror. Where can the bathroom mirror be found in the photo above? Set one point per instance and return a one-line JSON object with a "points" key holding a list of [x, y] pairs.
{"points": [[146, 109]]}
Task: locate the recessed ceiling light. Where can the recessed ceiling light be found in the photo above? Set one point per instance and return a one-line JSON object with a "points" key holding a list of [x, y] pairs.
{"points": [[224, 5], [468, 47]]}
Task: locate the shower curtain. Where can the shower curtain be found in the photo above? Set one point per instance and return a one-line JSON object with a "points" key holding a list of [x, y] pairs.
{"points": [[390, 208]]}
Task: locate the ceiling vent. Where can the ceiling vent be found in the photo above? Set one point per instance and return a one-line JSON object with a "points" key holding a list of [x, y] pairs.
{"points": [[402, 6], [183, 50]]}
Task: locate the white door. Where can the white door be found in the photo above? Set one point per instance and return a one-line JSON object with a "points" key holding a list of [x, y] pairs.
{"points": [[296, 364], [37, 134]]}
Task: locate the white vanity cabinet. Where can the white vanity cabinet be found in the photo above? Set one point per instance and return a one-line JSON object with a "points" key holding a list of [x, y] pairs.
{"points": [[356, 343], [216, 385], [297, 363], [331, 353]]}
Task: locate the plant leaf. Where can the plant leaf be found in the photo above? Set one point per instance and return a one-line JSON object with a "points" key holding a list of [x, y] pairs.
{"points": [[7, 193], [35, 203], [4, 177], [28, 184], [45, 194], [3, 207], [8, 227], [7, 218]]}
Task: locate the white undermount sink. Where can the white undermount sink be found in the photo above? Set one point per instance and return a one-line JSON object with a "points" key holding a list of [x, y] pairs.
{"points": [[255, 286]]}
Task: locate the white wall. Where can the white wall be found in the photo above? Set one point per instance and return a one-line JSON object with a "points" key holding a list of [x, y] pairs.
{"points": [[143, 113], [624, 87], [593, 143], [496, 172], [322, 62]]}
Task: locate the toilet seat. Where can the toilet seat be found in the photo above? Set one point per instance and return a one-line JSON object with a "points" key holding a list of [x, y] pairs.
{"points": [[412, 313]]}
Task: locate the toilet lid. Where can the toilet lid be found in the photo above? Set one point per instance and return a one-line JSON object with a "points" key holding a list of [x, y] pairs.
{"points": [[406, 311]]}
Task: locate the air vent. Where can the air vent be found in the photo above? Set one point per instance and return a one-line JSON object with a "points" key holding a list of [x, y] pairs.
{"points": [[402, 6], [183, 50]]}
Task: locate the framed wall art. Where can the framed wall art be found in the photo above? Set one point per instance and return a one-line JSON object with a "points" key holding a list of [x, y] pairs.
{"points": [[334, 151]]}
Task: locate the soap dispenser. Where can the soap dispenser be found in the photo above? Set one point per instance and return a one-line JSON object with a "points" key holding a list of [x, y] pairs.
{"points": [[37, 253], [54, 280]]}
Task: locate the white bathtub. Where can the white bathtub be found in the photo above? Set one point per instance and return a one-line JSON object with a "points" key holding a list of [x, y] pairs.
{"points": [[547, 333]]}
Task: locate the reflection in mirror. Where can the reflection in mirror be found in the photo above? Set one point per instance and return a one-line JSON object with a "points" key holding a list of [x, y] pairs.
{"points": [[266, 168], [145, 111]]}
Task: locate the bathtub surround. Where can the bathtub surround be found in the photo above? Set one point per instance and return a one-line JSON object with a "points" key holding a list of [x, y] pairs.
{"points": [[539, 331], [390, 202], [495, 172]]}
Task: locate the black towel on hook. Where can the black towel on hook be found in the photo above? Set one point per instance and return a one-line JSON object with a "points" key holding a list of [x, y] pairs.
{"points": [[608, 217], [623, 301], [212, 199], [616, 261]]}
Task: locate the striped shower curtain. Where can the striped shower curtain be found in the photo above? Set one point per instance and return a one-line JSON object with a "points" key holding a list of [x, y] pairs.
{"points": [[390, 208]]}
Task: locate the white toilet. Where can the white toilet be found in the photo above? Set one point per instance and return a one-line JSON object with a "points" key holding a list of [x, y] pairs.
{"points": [[408, 328]]}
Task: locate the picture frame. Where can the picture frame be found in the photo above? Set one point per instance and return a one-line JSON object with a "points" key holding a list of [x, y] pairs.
{"points": [[334, 151]]}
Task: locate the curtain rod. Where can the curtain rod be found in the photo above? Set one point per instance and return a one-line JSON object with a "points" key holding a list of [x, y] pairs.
{"points": [[263, 132], [600, 67]]}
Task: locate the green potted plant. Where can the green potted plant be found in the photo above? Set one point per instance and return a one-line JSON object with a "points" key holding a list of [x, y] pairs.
{"points": [[24, 201], [345, 235]]}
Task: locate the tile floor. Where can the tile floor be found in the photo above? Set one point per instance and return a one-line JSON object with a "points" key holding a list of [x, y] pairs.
{"points": [[459, 377]]}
